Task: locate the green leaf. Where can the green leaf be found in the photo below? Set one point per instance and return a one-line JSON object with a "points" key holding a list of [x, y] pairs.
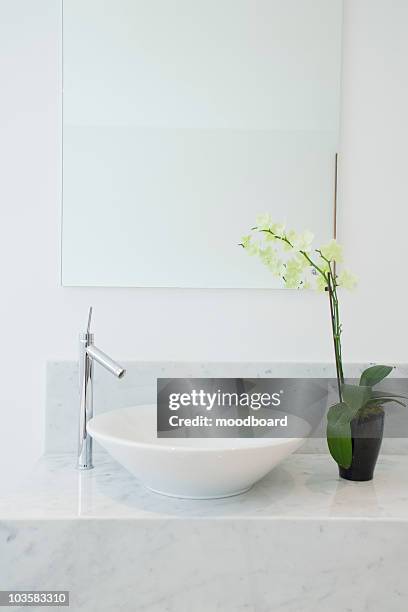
{"points": [[375, 374], [355, 397], [381, 394], [339, 434], [386, 397], [384, 400]]}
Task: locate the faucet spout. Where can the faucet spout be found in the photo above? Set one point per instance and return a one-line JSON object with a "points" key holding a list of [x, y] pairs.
{"points": [[104, 360]]}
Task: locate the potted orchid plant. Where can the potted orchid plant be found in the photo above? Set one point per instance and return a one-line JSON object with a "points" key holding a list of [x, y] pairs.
{"points": [[355, 423]]}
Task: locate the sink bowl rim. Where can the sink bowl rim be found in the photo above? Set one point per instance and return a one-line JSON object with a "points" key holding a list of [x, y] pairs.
{"points": [[245, 444]]}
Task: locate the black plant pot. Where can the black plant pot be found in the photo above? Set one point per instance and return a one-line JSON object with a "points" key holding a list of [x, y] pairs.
{"points": [[366, 437]]}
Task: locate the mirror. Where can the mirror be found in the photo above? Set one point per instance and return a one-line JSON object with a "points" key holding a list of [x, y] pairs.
{"points": [[182, 121]]}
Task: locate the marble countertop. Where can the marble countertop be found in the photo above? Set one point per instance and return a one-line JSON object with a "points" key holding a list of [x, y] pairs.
{"points": [[302, 487]]}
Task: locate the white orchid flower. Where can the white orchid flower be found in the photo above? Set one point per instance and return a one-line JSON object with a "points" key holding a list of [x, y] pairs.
{"points": [[346, 279], [278, 229], [264, 221], [332, 251], [305, 240]]}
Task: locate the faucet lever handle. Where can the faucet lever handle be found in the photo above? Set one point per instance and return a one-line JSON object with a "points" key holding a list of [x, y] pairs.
{"points": [[88, 328]]}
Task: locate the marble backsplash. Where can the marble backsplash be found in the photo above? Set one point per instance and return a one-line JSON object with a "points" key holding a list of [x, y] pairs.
{"points": [[139, 387]]}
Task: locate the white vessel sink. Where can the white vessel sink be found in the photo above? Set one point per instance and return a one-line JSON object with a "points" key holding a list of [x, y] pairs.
{"points": [[195, 468]]}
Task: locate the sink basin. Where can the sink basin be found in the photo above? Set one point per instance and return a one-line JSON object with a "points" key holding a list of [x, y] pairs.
{"points": [[194, 468]]}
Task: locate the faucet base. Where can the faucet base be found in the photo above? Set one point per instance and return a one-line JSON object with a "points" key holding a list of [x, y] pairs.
{"points": [[87, 466]]}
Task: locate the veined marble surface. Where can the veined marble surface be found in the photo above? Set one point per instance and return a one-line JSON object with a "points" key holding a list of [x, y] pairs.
{"points": [[139, 387], [302, 487], [211, 566], [299, 541]]}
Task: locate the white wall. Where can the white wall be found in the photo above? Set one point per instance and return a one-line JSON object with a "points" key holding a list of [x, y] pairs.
{"points": [[40, 320]]}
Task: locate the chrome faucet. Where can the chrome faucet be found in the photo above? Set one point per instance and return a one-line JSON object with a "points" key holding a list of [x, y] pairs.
{"points": [[88, 353]]}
